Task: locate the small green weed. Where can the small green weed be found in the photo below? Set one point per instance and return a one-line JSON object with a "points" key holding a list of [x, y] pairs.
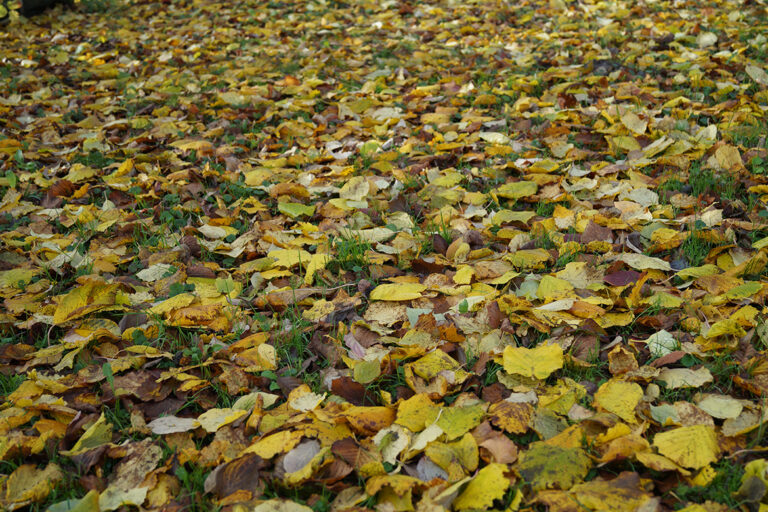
{"points": [[759, 165]]}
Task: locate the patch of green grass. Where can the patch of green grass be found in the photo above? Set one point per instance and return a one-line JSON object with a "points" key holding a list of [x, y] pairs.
{"points": [[350, 254], [545, 209], [94, 159], [10, 383], [291, 344], [695, 249], [545, 242], [749, 135], [597, 372], [564, 259], [707, 182], [388, 382], [490, 376], [676, 395], [192, 489], [720, 490]]}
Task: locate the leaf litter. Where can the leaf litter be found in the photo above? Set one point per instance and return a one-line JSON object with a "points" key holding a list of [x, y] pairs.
{"points": [[385, 255]]}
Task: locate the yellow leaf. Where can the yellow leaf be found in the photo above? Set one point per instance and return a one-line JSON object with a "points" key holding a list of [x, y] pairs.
{"points": [[538, 362], [494, 137], [634, 123], [435, 373], [728, 158], [517, 189], [200, 315], [176, 302], [17, 277], [757, 74], [98, 434], [320, 309], [277, 505], [675, 378], [691, 447], [417, 412], [303, 399], [488, 485], [513, 417], [172, 424], [553, 288], [298, 468], [399, 484], [269, 446], [720, 406], [620, 398], [397, 291], [27, 485], [623, 494], [114, 497], [643, 262], [262, 357], [213, 419], [529, 259], [464, 275], [457, 421], [295, 210], [366, 372], [317, 262], [725, 327], [83, 300], [288, 258], [88, 503], [355, 189], [659, 462], [201, 146]]}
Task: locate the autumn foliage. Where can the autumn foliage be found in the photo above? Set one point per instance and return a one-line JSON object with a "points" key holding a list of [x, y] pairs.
{"points": [[392, 256]]}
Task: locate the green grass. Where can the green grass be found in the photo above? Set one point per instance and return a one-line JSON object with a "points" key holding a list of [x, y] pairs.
{"points": [[291, 345], [350, 254], [545, 209], [707, 182], [721, 489], [192, 489], [695, 249], [10, 383]]}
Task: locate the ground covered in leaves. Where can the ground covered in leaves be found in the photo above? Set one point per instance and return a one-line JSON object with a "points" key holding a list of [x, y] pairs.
{"points": [[384, 255]]}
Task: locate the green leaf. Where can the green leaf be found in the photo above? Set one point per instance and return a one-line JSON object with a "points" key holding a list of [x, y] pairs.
{"points": [[11, 178], [106, 369]]}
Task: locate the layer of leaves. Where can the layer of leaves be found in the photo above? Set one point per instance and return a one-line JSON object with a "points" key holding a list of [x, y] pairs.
{"points": [[307, 255]]}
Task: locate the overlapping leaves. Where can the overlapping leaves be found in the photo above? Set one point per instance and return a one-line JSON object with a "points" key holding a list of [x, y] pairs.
{"points": [[469, 255]]}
